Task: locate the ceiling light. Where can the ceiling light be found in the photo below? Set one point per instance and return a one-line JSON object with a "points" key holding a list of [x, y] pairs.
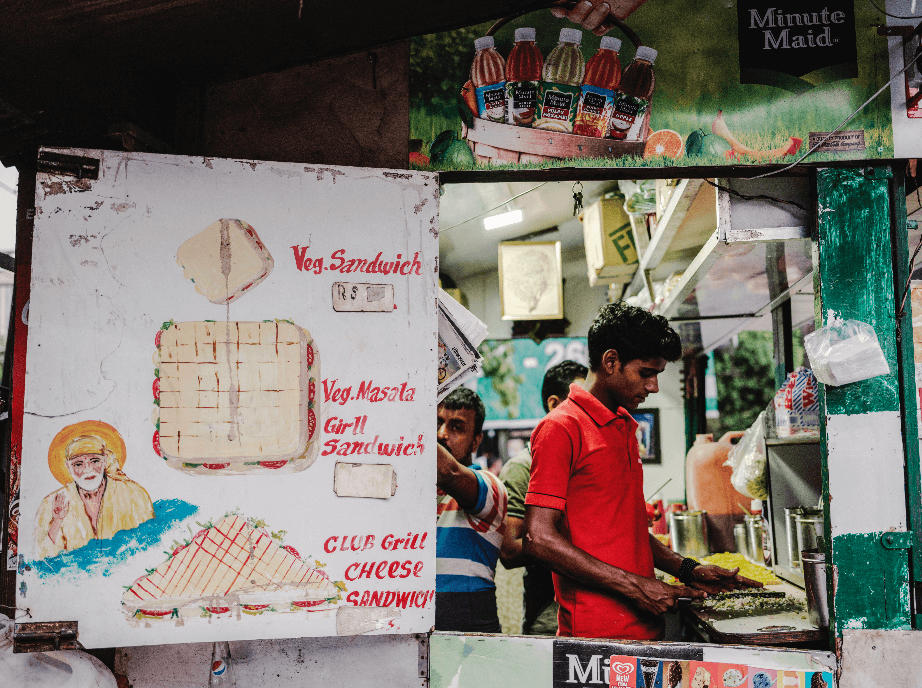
{"points": [[496, 221]]}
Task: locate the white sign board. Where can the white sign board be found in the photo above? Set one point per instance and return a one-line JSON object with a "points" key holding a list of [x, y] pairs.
{"points": [[217, 443]]}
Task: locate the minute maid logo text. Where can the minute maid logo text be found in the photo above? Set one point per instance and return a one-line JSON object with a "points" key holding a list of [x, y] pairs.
{"points": [[795, 44]]}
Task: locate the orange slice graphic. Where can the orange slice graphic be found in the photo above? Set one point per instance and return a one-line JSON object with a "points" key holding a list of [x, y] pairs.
{"points": [[664, 142]]}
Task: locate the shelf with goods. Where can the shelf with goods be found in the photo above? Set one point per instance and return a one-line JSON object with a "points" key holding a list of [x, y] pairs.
{"points": [[758, 256], [688, 219]]}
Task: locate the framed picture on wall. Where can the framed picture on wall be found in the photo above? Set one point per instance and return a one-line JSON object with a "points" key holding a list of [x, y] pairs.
{"points": [[648, 435], [530, 280]]}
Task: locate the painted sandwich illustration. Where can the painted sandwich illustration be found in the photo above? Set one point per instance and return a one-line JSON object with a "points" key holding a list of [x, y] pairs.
{"points": [[225, 260], [233, 567], [235, 397]]}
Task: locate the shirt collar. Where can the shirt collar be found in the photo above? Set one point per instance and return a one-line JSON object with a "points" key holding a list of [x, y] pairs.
{"points": [[596, 410]]}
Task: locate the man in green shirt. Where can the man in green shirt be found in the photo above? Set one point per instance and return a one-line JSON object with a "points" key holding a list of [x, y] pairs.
{"points": [[540, 607]]}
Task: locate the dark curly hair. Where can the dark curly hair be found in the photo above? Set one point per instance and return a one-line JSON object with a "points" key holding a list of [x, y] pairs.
{"points": [[557, 380], [634, 333], [464, 398]]}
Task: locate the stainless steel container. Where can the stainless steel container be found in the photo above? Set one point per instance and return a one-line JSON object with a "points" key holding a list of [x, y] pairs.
{"points": [[688, 531], [741, 539], [814, 565], [809, 526], [790, 528], [753, 523]]}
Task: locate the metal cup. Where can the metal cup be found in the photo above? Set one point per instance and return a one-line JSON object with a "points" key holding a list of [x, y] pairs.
{"points": [[741, 539], [688, 532], [753, 523], [814, 564]]}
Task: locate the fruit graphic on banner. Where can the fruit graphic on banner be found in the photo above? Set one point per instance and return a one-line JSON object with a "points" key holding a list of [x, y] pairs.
{"points": [[664, 142], [720, 128]]}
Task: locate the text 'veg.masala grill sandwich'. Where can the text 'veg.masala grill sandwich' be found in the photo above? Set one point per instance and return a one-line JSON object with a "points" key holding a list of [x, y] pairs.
{"points": [[236, 397]]}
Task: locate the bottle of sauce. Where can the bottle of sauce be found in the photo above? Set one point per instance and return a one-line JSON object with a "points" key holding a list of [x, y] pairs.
{"points": [[561, 79], [488, 77], [603, 75], [633, 97], [523, 73]]}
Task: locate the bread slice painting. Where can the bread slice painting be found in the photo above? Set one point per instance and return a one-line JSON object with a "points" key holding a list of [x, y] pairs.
{"points": [[235, 397], [225, 260], [233, 567]]}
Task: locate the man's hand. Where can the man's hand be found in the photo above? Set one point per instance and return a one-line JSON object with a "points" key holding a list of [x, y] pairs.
{"points": [[592, 15], [714, 579], [457, 480], [657, 597]]}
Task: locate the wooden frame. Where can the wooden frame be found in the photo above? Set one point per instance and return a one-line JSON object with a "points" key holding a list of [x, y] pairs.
{"points": [[530, 280], [648, 435]]}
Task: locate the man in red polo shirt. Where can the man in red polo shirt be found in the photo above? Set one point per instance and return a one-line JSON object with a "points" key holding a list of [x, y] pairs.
{"points": [[585, 515]]}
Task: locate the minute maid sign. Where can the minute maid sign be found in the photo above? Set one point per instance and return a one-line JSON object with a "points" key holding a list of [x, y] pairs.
{"points": [[796, 45]]}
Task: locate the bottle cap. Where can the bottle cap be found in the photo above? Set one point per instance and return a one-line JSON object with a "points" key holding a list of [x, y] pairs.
{"points": [[571, 36], [524, 35], [646, 53], [610, 43], [755, 506], [485, 42]]}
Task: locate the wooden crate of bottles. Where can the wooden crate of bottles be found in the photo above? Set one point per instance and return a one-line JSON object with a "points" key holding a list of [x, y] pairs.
{"points": [[497, 143]]}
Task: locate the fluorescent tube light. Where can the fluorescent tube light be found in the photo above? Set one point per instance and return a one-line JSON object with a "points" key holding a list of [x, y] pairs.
{"points": [[496, 221]]}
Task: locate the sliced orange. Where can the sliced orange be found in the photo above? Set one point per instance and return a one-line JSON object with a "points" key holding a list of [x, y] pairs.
{"points": [[664, 142]]}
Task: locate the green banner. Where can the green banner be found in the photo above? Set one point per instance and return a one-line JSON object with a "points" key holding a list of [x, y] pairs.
{"points": [[739, 83]]}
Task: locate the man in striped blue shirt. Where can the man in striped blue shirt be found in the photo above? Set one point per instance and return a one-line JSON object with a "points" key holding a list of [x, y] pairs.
{"points": [[470, 521]]}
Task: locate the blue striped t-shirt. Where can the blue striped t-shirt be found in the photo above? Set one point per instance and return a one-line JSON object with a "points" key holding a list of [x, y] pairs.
{"points": [[468, 541]]}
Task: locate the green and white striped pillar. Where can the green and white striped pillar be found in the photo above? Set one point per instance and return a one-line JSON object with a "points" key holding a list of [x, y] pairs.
{"points": [[863, 423]]}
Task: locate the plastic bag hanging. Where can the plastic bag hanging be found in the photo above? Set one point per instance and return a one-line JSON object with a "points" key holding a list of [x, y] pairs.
{"points": [[747, 459], [845, 351]]}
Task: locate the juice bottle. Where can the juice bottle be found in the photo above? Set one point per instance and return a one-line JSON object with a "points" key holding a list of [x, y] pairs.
{"points": [[633, 97], [561, 78], [523, 72], [603, 75], [487, 75]]}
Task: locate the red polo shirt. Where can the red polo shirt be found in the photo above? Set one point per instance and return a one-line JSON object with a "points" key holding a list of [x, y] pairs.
{"points": [[586, 463]]}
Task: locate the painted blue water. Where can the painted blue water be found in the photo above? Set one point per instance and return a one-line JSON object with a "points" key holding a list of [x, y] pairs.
{"points": [[100, 557]]}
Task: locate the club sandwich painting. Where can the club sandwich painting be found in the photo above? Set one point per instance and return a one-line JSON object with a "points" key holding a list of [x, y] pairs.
{"points": [[173, 382]]}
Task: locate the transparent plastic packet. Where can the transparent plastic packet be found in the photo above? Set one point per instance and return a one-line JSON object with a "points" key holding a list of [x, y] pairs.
{"points": [[747, 459], [845, 351]]}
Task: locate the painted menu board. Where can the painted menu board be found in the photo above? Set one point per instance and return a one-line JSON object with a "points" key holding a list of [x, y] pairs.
{"points": [[714, 83], [229, 401]]}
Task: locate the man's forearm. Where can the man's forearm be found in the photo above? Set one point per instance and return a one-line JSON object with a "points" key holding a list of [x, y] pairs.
{"points": [[562, 557], [664, 558]]}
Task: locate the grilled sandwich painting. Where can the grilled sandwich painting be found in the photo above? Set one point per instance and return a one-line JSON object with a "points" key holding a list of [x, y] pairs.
{"points": [[172, 354], [231, 568], [235, 397]]}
